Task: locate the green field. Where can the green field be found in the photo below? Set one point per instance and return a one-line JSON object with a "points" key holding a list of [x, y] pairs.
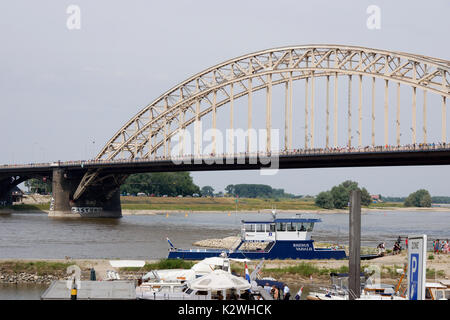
{"points": [[214, 204], [208, 204], [225, 204]]}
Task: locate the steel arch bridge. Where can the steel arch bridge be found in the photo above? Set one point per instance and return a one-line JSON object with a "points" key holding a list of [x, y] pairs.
{"points": [[149, 133]]}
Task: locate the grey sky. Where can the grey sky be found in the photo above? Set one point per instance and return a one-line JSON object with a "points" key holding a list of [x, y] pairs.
{"points": [[64, 93]]}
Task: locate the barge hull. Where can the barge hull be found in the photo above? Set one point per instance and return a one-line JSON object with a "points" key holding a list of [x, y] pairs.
{"points": [[280, 250]]}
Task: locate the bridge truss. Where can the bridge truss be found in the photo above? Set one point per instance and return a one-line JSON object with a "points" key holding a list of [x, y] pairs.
{"points": [[150, 132]]}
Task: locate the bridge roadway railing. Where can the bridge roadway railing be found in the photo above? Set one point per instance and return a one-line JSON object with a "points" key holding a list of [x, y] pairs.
{"points": [[292, 152]]}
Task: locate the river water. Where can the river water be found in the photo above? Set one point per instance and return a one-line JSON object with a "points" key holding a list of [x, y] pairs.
{"points": [[35, 236]]}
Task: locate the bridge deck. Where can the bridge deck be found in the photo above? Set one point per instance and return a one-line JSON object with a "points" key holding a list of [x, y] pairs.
{"points": [[313, 158]]}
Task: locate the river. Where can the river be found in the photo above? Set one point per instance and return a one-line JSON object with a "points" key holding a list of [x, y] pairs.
{"points": [[35, 236]]}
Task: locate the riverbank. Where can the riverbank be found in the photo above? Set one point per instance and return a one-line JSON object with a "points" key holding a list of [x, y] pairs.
{"points": [[293, 272], [168, 205], [187, 211]]}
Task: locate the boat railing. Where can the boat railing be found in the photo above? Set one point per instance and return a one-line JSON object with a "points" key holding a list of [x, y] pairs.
{"points": [[200, 250], [269, 246], [236, 244]]}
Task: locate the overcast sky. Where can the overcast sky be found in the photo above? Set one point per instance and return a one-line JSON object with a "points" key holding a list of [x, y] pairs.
{"points": [[64, 93]]}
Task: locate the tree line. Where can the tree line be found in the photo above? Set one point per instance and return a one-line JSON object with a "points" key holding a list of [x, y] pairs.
{"points": [[170, 184], [256, 191], [434, 199], [339, 197]]}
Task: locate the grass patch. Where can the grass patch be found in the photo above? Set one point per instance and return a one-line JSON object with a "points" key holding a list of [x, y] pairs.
{"points": [[304, 269], [432, 273], [30, 207], [391, 271], [38, 267]]}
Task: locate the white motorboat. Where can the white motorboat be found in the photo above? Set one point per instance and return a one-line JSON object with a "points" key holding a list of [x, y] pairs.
{"points": [[209, 279], [199, 269]]}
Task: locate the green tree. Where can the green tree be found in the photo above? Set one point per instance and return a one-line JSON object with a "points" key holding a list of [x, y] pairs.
{"points": [[229, 189], [420, 198], [325, 200], [43, 186], [207, 191], [366, 199], [340, 196]]}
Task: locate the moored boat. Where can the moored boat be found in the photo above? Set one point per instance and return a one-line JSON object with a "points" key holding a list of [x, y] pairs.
{"points": [[278, 238]]}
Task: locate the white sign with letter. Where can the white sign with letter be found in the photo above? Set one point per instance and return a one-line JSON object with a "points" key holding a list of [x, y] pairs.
{"points": [[417, 249]]}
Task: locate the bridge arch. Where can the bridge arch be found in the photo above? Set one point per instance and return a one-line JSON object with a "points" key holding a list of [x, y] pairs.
{"points": [[151, 130]]}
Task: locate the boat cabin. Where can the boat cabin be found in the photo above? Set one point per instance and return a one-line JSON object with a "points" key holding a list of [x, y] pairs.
{"points": [[278, 229], [436, 291]]}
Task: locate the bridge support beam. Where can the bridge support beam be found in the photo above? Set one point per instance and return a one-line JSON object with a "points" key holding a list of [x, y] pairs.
{"points": [[98, 201]]}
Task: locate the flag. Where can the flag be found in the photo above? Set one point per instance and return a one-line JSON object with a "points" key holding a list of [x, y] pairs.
{"points": [[247, 275], [299, 294], [170, 243]]}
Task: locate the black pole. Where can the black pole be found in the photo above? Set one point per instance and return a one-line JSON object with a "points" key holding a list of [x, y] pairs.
{"points": [[354, 280]]}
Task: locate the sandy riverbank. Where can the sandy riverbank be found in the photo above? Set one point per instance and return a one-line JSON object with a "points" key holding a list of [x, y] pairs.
{"points": [[127, 212]]}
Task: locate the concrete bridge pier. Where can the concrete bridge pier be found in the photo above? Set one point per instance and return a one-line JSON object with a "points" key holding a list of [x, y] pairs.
{"points": [[5, 193], [98, 201]]}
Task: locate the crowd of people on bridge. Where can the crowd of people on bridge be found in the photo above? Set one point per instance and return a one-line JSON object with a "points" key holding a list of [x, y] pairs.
{"points": [[309, 151]]}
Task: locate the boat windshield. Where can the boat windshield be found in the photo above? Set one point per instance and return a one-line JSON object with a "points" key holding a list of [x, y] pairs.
{"points": [[260, 227], [279, 226], [249, 227], [305, 226], [293, 226]]}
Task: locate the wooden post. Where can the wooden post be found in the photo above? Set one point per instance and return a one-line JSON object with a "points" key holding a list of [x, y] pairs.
{"points": [[354, 280]]}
